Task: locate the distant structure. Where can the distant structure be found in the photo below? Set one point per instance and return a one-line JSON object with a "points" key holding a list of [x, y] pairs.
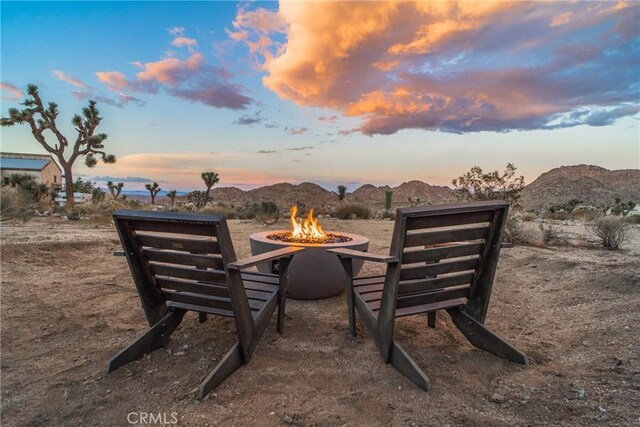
{"points": [[41, 166]]}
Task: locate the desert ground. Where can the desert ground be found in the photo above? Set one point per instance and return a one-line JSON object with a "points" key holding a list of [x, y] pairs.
{"points": [[68, 305]]}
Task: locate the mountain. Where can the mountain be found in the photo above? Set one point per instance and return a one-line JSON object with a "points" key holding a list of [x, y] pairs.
{"points": [[314, 196], [593, 185]]}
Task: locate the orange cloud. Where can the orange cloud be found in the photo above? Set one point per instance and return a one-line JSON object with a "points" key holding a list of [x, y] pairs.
{"points": [[456, 66], [14, 92], [169, 70], [115, 80], [184, 41], [70, 79]]}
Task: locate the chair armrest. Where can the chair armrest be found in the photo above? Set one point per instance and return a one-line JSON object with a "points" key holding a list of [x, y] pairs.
{"points": [[367, 256], [265, 257]]}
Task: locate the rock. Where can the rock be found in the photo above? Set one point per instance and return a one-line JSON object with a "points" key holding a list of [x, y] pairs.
{"points": [[287, 419], [601, 409], [497, 398], [582, 394], [179, 353]]}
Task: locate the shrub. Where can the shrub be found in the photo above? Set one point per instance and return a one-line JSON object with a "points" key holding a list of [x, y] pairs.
{"points": [[16, 203], [632, 219], [566, 207], [198, 198], [353, 211], [551, 236], [612, 232]]}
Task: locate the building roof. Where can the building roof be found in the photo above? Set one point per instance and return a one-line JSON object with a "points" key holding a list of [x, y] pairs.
{"points": [[23, 164]]}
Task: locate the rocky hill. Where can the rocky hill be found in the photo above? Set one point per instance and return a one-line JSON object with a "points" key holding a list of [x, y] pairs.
{"points": [[312, 195], [594, 185]]}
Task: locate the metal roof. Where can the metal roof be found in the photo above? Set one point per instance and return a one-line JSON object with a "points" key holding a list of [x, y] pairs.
{"points": [[23, 164]]}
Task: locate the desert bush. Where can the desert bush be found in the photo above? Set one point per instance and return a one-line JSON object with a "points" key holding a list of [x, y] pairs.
{"points": [[16, 203], [353, 211], [478, 185], [551, 236], [621, 208], [612, 232], [198, 198], [529, 216], [565, 207], [268, 213], [632, 219]]}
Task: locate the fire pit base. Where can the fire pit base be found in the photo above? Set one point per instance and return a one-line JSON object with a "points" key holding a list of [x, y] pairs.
{"points": [[314, 273]]}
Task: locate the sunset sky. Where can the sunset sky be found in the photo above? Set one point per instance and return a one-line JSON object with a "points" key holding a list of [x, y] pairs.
{"points": [[335, 92]]}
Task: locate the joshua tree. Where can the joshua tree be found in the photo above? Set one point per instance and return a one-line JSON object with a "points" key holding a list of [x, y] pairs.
{"points": [[172, 196], [115, 189], [88, 144], [342, 190], [388, 195], [477, 185], [210, 179], [153, 190]]}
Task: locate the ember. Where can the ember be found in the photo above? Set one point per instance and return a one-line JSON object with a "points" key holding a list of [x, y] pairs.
{"points": [[328, 238], [307, 231]]}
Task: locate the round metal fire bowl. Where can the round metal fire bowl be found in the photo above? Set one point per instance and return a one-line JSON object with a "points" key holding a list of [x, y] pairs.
{"points": [[313, 273]]}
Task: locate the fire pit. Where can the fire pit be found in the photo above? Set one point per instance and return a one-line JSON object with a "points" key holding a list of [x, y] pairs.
{"points": [[314, 273]]}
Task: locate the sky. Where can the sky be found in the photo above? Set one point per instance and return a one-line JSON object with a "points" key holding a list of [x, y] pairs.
{"points": [[331, 92]]}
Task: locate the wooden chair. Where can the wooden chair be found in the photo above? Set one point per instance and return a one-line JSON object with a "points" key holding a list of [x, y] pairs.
{"points": [[184, 262], [441, 258]]}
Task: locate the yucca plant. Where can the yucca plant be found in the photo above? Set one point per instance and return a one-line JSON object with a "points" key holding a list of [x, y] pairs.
{"points": [[153, 190]]}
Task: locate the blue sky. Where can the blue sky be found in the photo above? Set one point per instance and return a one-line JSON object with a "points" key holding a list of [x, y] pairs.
{"points": [[330, 93]]}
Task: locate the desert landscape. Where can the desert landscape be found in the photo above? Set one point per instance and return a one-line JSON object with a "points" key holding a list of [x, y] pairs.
{"points": [[68, 305]]}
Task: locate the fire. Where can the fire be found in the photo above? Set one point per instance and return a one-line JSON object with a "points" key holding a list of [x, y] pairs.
{"points": [[307, 229]]}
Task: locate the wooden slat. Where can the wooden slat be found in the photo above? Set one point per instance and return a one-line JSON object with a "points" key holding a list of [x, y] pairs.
{"points": [[211, 276], [257, 286], [196, 246], [261, 277], [202, 309], [366, 256], [204, 261], [364, 281], [195, 299], [174, 227], [409, 311], [432, 270], [207, 301], [422, 298], [209, 289], [264, 258], [442, 252], [426, 285], [445, 236], [431, 297], [193, 287], [434, 221]]}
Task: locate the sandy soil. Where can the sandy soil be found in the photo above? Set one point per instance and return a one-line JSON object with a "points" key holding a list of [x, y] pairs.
{"points": [[68, 305]]}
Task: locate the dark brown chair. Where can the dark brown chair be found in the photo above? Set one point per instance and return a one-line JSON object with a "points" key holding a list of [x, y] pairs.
{"points": [[441, 258], [185, 262]]}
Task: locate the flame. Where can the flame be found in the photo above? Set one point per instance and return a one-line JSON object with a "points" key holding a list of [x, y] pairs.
{"points": [[307, 229]]}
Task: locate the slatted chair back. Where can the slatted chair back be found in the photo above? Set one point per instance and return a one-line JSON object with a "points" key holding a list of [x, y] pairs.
{"points": [[179, 260], [447, 257]]}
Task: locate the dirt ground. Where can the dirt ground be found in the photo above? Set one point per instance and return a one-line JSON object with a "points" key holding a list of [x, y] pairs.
{"points": [[68, 305]]}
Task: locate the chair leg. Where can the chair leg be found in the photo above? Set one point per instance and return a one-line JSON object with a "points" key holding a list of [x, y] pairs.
{"points": [[407, 367], [431, 319], [481, 337], [347, 264], [155, 337], [229, 363], [282, 302]]}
